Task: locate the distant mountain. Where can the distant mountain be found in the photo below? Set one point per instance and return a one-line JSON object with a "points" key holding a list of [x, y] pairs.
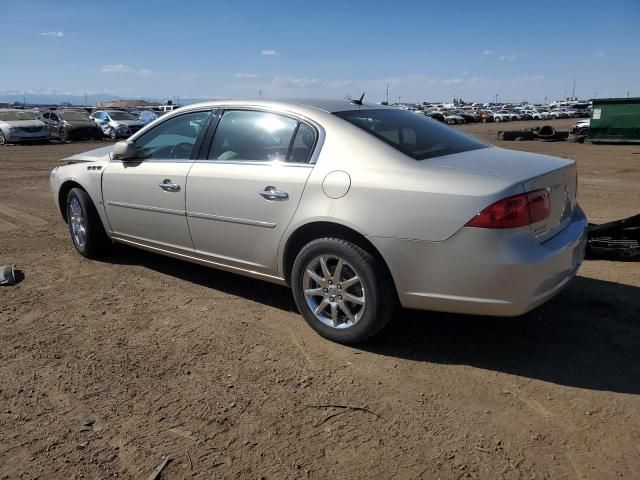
{"points": [[56, 98]]}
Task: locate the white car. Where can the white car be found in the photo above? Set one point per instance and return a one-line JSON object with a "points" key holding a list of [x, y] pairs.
{"points": [[21, 126], [501, 116]]}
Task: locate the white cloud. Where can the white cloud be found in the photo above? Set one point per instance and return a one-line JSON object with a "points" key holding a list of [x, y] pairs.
{"points": [[125, 69], [509, 58], [269, 53], [599, 54], [52, 34], [246, 76], [296, 82], [488, 52]]}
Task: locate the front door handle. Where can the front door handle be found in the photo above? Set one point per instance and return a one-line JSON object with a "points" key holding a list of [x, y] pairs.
{"points": [[271, 193], [168, 186]]}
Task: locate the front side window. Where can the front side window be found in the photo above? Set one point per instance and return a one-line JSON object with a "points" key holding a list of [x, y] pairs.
{"points": [[173, 138], [415, 135], [244, 135]]}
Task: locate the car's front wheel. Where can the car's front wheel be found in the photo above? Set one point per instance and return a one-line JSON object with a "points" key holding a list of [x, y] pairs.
{"points": [[342, 290], [3, 139], [64, 135], [113, 134], [85, 226]]}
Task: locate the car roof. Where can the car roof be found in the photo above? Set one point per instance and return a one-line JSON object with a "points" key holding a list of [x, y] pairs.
{"points": [[326, 105]]}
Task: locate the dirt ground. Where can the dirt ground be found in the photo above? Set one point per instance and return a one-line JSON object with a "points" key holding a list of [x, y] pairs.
{"points": [[158, 357]]}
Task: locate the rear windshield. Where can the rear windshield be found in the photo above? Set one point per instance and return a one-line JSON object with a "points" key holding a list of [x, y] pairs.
{"points": [[13, 116], [415, 135]]}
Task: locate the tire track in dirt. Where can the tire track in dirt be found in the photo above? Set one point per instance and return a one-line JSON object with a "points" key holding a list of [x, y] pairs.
{"points": [[21, 217]]}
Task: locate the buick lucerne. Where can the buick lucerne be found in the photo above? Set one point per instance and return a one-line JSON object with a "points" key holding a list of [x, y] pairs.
{"points": [[358, 208]]}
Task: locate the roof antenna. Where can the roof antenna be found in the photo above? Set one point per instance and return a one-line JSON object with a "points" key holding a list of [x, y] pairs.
{"points": [[359, 101]]}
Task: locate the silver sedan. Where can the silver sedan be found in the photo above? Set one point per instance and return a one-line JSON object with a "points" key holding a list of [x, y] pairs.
{"points": [[358, 208]]}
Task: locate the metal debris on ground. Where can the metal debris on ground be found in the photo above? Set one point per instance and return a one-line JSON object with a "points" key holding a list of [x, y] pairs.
{"points": [[545, 133], [618, 240]]}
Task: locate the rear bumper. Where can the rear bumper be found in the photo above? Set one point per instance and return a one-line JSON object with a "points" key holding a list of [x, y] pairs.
{"points": [[483, 271]]}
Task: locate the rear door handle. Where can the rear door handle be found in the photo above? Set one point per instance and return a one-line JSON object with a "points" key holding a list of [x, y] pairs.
{"points": [[271, 193], [168, 186]]}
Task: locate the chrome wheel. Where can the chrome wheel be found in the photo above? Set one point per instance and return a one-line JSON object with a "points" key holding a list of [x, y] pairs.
{"points": [[78, 224], [334, 291]]}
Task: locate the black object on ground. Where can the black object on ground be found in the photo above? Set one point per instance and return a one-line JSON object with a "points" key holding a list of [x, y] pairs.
{"points": [[618, 240], [546, 133], [8, 275]]}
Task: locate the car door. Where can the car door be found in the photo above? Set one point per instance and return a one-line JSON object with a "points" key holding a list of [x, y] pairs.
{"points": [[244, 193], [145, 197]]}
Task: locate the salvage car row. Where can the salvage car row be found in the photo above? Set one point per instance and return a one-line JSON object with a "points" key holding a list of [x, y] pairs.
{"points": [[473, 113], [66, 124]]}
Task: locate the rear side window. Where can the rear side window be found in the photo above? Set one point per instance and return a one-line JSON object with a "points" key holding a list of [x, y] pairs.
{"points": [[415, 135], [251, 136]]}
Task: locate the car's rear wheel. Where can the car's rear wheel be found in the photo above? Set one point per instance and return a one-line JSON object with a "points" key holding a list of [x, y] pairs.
{"points": [[113, 134], [85, 226], [342, 290], [3, 139]]}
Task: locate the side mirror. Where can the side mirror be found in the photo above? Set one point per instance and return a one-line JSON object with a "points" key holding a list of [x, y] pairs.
{"points": [[124, 151]]}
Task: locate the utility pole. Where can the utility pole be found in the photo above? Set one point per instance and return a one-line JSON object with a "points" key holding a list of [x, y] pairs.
{"points": [[260, 93], [85, 99], [399, 99], [24, 101], [627, 93], [496, 98], [573, 92], [387, 94]]}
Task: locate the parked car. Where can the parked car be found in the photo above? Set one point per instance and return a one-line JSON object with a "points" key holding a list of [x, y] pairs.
{"points": [[452, 118], [358, 208], [486, 116], [437, 116], [581, 128], [117, 123], [21, 126], [148, 116], [70, 124], [501, 116]]}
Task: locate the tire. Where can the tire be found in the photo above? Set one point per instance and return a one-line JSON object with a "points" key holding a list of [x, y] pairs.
{"points": [[3, 140], [113, 134], [64, 135], [86, 229], [342, 320]]}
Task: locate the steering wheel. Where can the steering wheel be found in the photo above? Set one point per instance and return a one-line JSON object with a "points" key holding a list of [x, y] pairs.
{"points": [[181, 150]]}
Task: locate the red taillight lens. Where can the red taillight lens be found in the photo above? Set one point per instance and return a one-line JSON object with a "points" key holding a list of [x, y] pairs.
{"points": [[516, 211], [539, 205]]}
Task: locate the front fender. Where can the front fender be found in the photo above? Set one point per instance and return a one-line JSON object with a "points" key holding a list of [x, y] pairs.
{"points": [[86, 175]]}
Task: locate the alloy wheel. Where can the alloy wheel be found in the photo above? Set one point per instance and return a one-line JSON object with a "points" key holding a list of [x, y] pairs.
{"points": [[334, 291], [78, 223]]}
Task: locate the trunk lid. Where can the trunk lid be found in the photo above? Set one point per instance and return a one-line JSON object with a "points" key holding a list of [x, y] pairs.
{"points": [[531, 170]]}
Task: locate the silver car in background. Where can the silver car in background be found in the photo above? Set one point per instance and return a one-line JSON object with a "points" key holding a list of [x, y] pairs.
{"points": [[359, 208], [117, 123], [21, 126]]}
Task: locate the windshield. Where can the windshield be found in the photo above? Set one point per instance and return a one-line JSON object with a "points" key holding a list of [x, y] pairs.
{"points": [[415, 135], [16, 115], [121, 116], [75, 116]]}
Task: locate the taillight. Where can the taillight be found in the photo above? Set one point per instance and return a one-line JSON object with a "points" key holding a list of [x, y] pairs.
{"points": [[516, 211]]}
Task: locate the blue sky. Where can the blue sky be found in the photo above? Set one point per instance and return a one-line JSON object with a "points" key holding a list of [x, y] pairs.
{"points": [[424, 50]]}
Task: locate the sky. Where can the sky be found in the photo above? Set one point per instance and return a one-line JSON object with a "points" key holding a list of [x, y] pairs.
{"points": [[423, 50]]}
